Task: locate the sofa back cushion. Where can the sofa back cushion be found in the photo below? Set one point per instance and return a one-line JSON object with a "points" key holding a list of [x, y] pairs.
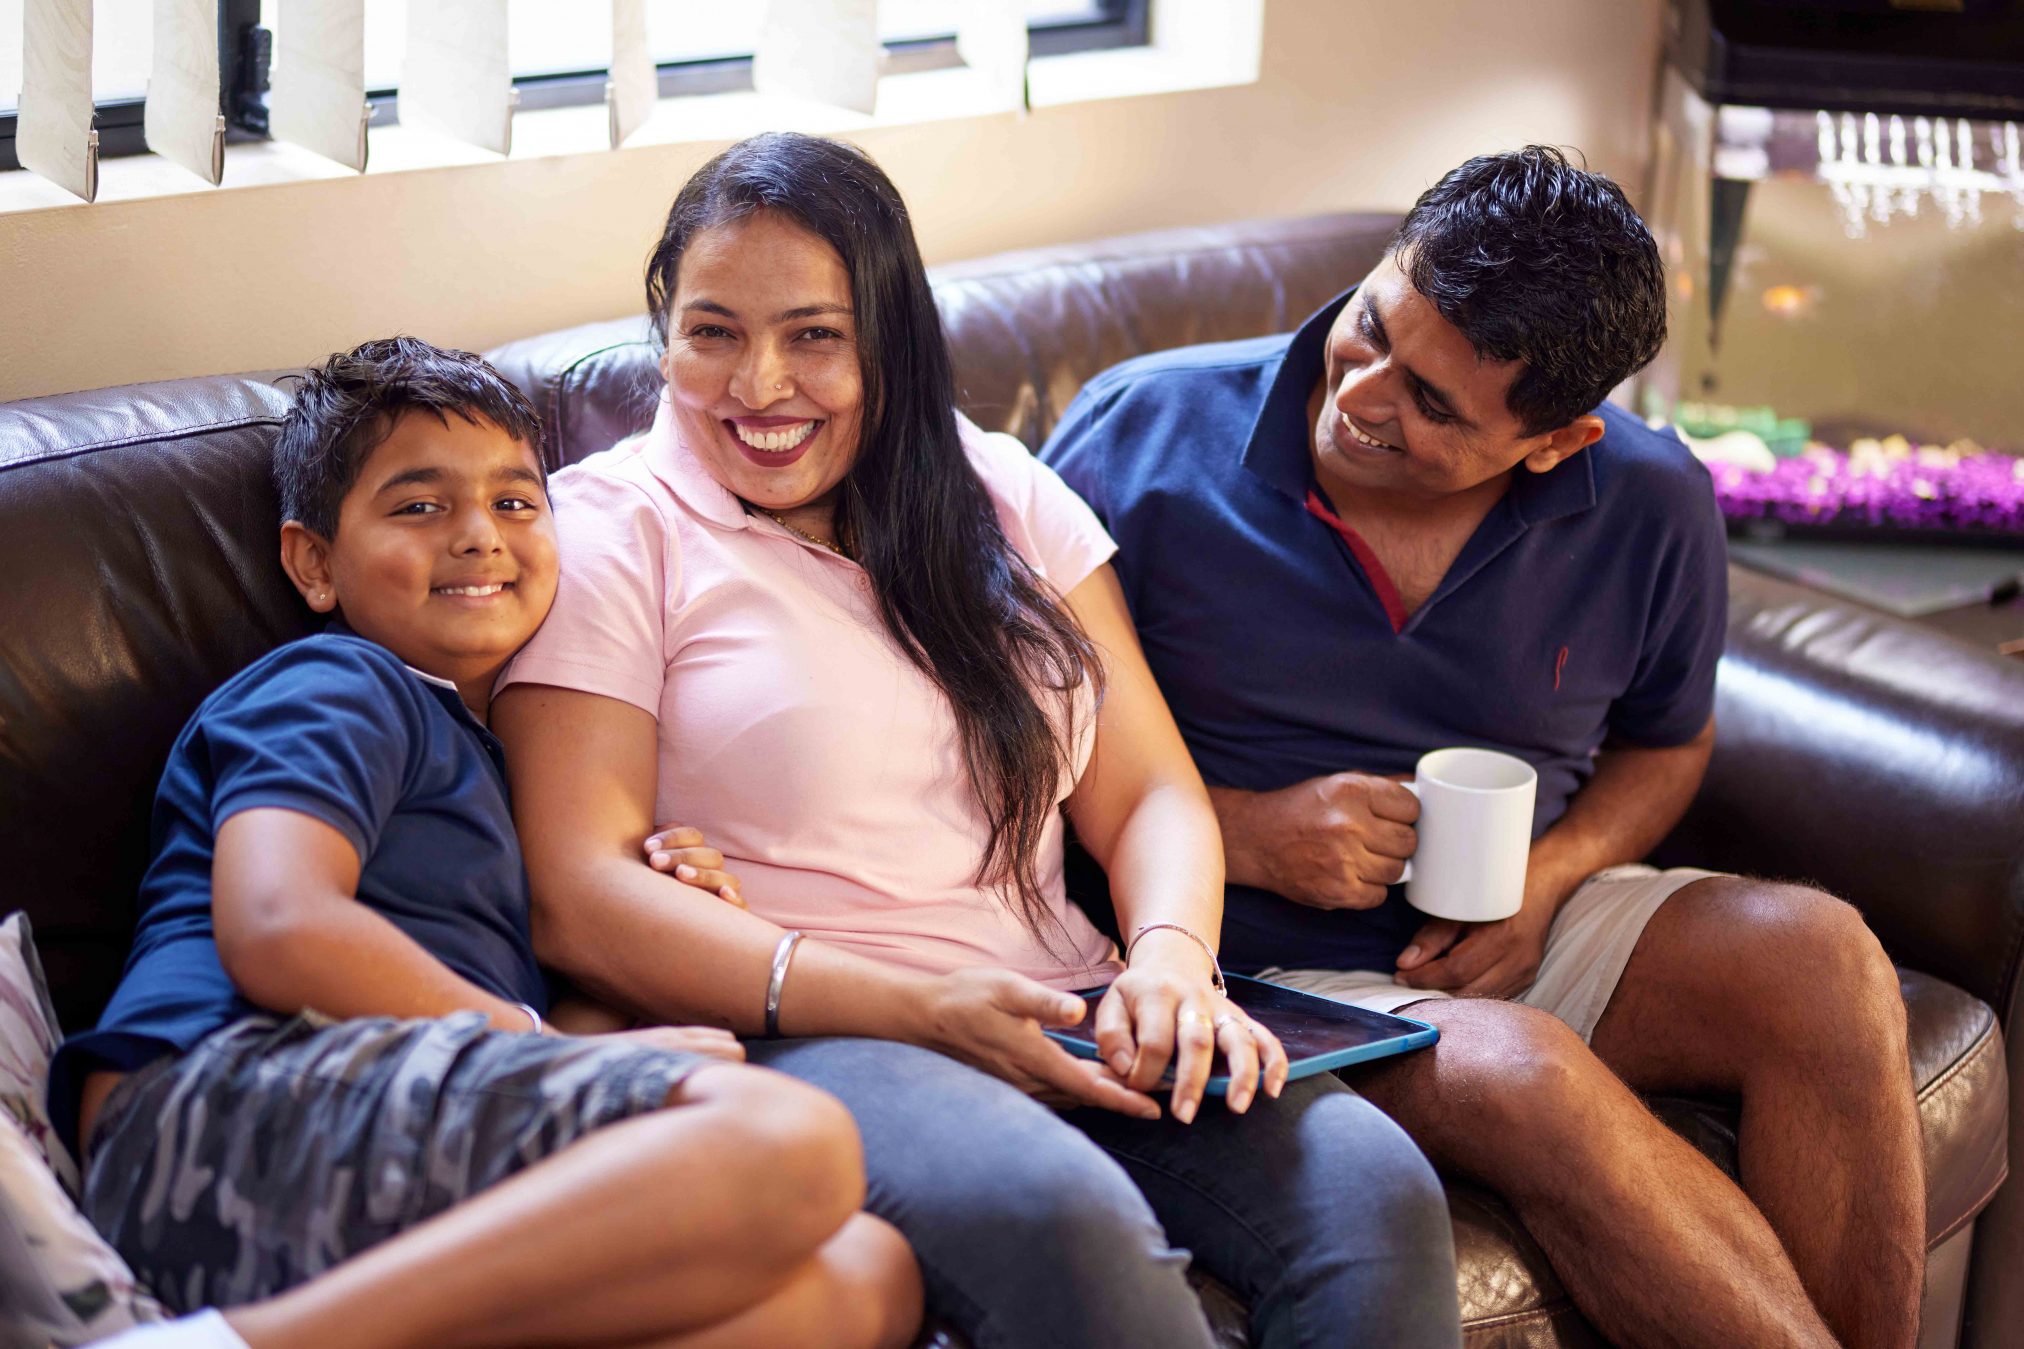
{"points": [[138, 543]]}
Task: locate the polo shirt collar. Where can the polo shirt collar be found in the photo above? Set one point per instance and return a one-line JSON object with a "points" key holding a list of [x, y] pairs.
{"points": [[1278, 448], [675, 464], [1279, 453]]}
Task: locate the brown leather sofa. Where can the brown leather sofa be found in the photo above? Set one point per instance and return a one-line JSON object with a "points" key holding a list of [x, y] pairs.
{"points": [[1856, 751]]}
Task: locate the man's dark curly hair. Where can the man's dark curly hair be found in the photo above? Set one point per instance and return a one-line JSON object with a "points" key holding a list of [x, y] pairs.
{"points": [[345, 407], [1537, 260]]}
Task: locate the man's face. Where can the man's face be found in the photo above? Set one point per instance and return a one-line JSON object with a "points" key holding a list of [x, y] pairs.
{"points": [[445, 551], [1407, 407]]}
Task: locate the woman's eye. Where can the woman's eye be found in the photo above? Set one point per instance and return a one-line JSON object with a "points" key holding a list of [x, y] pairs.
{"points": [[822, 335], [708, 332]]}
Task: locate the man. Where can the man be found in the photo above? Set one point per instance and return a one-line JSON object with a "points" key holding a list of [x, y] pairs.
{"points": [[1414, 524]]}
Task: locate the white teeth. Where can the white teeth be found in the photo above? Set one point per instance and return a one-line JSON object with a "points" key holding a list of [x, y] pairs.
{"points": [[776, 440], [492, 589], [1363, 439]]}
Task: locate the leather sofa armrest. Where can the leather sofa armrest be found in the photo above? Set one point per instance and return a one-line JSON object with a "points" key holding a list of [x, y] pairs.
{"points": [[1879, 760]]}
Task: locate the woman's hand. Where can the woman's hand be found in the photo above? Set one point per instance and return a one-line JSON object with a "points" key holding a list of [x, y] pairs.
{"points": [[680, 852], [993, 1020], [1164, 1009], [711, 1041]]}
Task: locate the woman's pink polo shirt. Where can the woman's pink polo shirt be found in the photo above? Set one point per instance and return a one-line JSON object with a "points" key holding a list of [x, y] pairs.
{"points": [[820, 761]]}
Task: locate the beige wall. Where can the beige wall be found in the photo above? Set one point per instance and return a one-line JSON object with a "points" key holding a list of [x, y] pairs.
{"points": [[1361, 104]]}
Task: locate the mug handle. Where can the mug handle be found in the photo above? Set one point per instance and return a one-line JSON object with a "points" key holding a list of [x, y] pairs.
{"points": [[1413, 787]]}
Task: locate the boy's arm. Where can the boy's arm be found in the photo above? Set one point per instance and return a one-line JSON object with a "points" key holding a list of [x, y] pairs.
{"points": [[292, 934]]}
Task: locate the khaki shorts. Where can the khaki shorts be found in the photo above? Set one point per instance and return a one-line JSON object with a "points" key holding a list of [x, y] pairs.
{"points": [[1586, 951]]}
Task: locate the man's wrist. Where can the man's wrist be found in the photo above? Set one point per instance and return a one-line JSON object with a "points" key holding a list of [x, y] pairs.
{"points": [[1237, 819]]}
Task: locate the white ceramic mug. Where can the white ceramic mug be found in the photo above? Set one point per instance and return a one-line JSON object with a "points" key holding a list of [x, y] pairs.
{"points": [[1475, 834]]}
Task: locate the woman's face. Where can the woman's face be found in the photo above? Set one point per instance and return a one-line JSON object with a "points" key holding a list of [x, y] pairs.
{"points": [[762, 363]]}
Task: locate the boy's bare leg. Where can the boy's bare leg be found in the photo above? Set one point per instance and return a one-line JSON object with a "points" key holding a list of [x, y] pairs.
{"points": [[692, 1216], [861, 1291]]}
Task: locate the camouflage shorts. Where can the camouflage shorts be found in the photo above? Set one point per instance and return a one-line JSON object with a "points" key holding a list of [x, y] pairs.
{"points": [[276, 1148]]}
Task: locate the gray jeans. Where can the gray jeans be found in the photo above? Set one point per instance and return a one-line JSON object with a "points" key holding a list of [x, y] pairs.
{"points": [[1037, 1229]]}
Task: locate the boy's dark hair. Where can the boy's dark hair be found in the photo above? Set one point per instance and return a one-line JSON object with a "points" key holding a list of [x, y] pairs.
{"points": [[1539, 261], [345, 407]]}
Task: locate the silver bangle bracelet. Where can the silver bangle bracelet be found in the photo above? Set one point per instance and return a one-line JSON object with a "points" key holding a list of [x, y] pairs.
{"points": [[782, 954], [1215, 965], [533, 1016]]}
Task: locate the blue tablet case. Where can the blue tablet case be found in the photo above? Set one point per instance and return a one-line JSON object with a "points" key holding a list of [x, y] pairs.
{"points": [[1320, 1034]]}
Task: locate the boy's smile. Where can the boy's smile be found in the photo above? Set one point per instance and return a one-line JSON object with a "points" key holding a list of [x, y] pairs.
{"points": [[445, 550]]}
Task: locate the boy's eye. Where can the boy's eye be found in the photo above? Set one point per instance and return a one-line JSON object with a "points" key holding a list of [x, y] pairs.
{"points": [[418, 508], [516, 504]]}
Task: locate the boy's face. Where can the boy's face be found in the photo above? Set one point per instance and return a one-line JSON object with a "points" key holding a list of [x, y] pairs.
{"points": [[445, 550]]}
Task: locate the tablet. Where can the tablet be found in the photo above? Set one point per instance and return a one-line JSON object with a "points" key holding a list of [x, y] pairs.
{"points": [[1319, 1033]]}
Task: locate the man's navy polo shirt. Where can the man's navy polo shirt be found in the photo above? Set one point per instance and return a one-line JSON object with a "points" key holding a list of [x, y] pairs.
{"points": [[335, 727], [1589, 604]]}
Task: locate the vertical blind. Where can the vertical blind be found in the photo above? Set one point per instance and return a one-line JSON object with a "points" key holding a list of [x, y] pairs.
{"points": [[52, 129], [456, 76]]}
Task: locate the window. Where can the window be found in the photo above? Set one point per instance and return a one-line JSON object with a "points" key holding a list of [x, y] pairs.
{"points": [[558, 56]]}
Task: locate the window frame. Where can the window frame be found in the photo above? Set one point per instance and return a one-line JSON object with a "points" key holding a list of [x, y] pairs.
{"points": [[243, 47]]}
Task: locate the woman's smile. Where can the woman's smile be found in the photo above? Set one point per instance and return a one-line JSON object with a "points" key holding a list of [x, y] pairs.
{"points": [[774, 442]]}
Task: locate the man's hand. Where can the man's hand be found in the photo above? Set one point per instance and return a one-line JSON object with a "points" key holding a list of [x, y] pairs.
{"points": [[1480, 960], [1333, 842]]}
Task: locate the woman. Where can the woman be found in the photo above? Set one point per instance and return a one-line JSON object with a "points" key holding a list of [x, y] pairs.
{"points": [[872, 653]]}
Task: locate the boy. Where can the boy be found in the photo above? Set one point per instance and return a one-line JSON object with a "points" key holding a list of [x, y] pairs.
{"points": [[329, 1035]]}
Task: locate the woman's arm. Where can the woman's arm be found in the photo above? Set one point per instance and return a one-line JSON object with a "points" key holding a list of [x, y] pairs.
{"points": [[1141, 810], [292, 934], [583, 770]]}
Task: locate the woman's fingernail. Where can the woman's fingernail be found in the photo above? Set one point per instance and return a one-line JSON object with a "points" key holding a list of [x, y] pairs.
{"points": [[1410, 953], [1120, 1063], [686, 872], [659, 859], [1185, 1112], [654, 842]]}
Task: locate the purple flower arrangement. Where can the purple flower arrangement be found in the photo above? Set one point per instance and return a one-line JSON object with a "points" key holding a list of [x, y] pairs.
{"points": [[1889, 484]]}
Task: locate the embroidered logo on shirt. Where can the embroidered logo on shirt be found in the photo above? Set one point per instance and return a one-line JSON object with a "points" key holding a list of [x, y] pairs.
{"points": [[1559, 664]]}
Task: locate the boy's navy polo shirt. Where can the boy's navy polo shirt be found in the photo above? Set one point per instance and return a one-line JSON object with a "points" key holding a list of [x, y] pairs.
{"points": [[335, 727], [1590, 604]]}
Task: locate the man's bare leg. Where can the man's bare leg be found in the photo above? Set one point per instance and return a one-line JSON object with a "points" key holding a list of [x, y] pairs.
{"points": [[1652, 1241], [663, 1226], [1782, 996]]}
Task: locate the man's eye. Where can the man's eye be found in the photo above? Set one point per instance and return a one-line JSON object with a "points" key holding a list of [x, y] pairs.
{"points": [[1434, 414]]}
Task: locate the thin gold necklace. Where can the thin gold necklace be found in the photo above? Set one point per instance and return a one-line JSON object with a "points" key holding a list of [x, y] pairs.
{"points": [[799, 533]]}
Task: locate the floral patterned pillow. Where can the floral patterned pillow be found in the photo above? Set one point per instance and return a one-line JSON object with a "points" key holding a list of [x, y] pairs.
{"points": [[60, 1283], [28, 1038]]}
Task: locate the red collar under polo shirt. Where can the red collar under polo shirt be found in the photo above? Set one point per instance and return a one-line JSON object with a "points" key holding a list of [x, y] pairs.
{"points": [[1588, 605]]}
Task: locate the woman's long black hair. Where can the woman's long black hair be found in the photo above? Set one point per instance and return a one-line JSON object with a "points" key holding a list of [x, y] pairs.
{"points": [[956, 597]]}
